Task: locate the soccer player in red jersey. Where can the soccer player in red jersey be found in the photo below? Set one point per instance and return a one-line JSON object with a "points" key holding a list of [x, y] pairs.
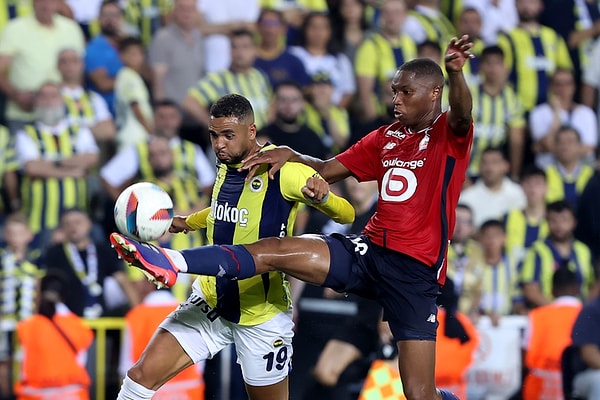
{"points": [[419, 163]]}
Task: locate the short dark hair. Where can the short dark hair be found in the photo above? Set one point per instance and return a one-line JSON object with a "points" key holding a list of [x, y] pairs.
{"points": [[559, 206], [463, 206], [242, 32], [564, 279], [492, 223], [531, 171], [128, 42], [566, 128], [494, 149], [110, 3], [491, 51], [165, 103], [273, 11], [423, 67], [232, 105], [429, 44], [287, 83]]}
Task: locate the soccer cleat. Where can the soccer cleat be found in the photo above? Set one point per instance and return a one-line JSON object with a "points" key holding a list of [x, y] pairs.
{"points": [[152, 260]]}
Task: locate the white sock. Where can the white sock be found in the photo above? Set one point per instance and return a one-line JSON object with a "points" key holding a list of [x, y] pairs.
{"points": [[131, 390], [178, 259]]}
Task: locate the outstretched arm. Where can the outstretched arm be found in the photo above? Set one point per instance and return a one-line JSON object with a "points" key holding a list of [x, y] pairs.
{"points": [[459, 96], [331, 170]]}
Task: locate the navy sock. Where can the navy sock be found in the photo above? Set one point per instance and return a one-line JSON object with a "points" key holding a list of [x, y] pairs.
{"points": [[446, 395], [226, 261]]}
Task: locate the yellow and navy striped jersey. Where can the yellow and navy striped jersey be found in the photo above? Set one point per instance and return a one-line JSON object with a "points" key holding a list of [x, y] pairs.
{"points": [[243, 212], [492, 117], [563, 186], [146, 16], [438, 29], [80, 110], [184, 159], [18, 288], [522, 232], [310, 5], [254, 85], [44, 199], [11, 9], [466, 270], [8, 159], [379, 58], [542, 259], [499, 287], [452, 9], [315, 121], [532, 58]]}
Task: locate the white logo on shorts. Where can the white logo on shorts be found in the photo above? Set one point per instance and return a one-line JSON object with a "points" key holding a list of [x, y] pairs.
{"points": [[221, 272], [431, 318]]}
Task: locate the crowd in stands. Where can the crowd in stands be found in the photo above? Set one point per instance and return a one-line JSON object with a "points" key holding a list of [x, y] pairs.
{"points": [[98, 94]]}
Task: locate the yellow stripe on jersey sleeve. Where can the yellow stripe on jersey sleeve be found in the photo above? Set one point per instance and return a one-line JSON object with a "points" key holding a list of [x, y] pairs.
{"points": [[197, 220], [293, 178]]}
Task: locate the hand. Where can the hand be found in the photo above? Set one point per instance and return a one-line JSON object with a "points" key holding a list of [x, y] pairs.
{"points": [[275, 157], [316, 190], [179, 225], [457, 53]]}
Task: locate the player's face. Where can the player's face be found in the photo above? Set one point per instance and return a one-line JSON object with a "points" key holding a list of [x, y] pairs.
{"points": [[413, 98], [231, 139], [561, 225]]}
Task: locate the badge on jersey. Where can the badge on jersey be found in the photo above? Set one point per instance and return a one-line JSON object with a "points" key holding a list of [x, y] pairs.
{"points": [[256, 184]]}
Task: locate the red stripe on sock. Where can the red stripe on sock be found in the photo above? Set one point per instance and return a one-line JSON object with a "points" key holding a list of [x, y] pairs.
{"points": [[232, 256]]}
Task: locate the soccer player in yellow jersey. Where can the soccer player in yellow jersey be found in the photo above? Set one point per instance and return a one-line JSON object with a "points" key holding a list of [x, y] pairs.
{"points": [[254, 313]]}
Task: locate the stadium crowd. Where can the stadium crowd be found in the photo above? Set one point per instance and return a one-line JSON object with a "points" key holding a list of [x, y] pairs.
{"points": [[98, 94]]}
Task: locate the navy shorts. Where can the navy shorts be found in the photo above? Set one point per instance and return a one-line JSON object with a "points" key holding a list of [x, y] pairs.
{"points": [[407, 289]]}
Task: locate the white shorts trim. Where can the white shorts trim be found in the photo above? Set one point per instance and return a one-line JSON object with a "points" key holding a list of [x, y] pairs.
{"points": [[264, 351]]}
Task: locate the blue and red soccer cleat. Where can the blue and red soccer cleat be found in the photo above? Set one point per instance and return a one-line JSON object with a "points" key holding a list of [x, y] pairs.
{"points": [[152, 260]]}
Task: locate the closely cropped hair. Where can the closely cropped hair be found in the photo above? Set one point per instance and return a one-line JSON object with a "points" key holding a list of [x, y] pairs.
{"points": [[242, 32], [565, 128], [127, 42], [531, 171], [423, 67], [491, 51], [232, 105], [165, 103], [559, 206], [492, 223]]}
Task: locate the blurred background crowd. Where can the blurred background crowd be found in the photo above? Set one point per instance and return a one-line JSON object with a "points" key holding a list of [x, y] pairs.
{"points": [[96, 95]]}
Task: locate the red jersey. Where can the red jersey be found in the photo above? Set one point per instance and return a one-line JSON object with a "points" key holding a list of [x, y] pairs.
{"points": [[420, 176]]}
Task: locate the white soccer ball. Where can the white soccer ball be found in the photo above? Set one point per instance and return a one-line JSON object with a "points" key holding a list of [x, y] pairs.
{"points": [[144, 211]]}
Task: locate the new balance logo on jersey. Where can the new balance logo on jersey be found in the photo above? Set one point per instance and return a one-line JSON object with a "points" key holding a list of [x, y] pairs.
{"points": [[389, 146], [396, 134], [227, 213], [431, 318]]}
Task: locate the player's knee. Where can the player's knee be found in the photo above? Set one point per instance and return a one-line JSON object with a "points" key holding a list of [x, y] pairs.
{"points": [[138, 374], [263, 257]]}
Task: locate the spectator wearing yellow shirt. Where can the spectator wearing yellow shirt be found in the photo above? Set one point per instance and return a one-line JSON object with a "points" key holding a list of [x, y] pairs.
{"points": [[132, 99], [29, 48]]}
